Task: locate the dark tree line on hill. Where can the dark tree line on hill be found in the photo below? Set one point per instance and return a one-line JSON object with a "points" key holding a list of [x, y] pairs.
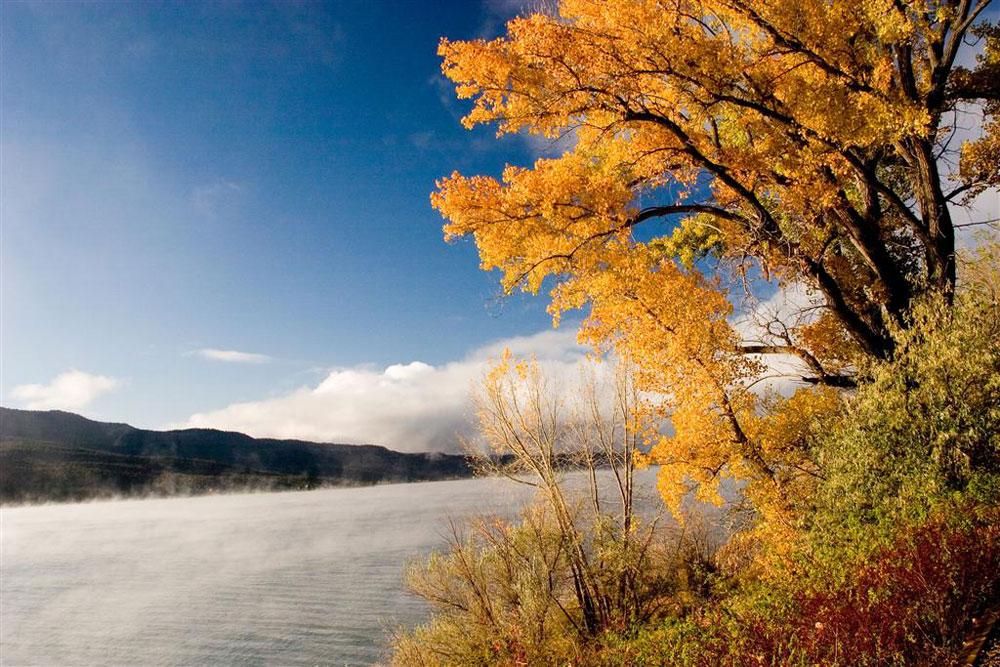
{"points": [[60, 456]]}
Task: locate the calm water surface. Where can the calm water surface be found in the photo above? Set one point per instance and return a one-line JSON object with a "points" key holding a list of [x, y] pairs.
{"points": [[310, 578]]}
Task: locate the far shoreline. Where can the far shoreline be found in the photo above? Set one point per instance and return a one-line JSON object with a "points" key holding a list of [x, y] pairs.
{"points": [[246, 491]]}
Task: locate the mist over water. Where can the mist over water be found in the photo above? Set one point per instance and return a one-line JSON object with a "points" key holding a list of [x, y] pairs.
{"points": [[280, 578], [296, 578]]}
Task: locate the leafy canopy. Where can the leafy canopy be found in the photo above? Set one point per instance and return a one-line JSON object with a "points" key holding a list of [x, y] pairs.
{"points": [[805, 139]]}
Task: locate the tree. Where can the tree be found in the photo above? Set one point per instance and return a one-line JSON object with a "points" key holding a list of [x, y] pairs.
{"points": [[537, 434], [581, 561], [807, 140]]}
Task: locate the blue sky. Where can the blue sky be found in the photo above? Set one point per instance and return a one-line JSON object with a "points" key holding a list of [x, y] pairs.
{"points": [[217, 214], [239, 177]]}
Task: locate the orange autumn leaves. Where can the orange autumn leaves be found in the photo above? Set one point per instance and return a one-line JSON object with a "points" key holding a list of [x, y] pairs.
{"points": [[785, 135]]}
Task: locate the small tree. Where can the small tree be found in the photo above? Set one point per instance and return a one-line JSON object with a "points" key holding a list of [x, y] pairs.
{"points": [[537, 437], [581, 561]]}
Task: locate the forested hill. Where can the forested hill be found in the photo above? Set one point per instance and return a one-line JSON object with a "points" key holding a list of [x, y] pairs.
{"points": [[56, 455]]}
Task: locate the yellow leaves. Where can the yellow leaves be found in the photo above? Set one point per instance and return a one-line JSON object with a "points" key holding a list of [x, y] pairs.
{"points": [[754, 132], [980, 160], [708, 62], [694, 238], [783, 427], [673, 324], [501, 369], [538, 220], [826, 339], [653, 94], [891, 25], [651, 307]]}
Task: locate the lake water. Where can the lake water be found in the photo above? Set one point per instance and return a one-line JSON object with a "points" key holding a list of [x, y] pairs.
{"points": [[305, 578]]}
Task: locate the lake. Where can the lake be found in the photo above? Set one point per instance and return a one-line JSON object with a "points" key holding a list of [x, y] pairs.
{"points": [[298, 578]]}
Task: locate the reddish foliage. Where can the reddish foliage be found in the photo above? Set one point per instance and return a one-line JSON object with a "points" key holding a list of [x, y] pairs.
{"points": [[912, 602]]}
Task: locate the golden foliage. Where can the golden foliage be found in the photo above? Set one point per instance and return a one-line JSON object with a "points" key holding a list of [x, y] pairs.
{"points": [[795, 137]]}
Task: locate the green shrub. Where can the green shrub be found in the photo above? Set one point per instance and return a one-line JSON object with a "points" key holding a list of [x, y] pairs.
{"points": [[900, 547]]}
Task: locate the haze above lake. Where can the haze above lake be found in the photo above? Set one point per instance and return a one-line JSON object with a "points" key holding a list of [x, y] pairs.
{"points": [[300, 578]]}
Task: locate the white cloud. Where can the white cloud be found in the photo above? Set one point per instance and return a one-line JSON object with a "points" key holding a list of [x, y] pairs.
{"points": [[790, 306], [421, 407], [969, 219], [232, 356], [71, 390], [407, 407]]}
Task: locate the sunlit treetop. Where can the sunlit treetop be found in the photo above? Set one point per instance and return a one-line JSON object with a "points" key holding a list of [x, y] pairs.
{"points": [[810, 140], [806, 135]]}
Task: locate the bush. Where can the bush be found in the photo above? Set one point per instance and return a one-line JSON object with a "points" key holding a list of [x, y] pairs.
{"points": [[921, 427], [899, 548], [910, 603]]}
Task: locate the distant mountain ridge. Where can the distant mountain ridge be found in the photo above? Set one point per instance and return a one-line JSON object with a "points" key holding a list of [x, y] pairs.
{"points": [[61, 456]]}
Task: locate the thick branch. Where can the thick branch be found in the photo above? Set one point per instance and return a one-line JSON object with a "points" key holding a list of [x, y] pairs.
{"points": [[870, 341], [661, 211], [642, 216], [822, 376], [768, 224]]}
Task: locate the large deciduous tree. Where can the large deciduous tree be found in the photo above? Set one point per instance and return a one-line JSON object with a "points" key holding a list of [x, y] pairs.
{"points": [[813, 141]]}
